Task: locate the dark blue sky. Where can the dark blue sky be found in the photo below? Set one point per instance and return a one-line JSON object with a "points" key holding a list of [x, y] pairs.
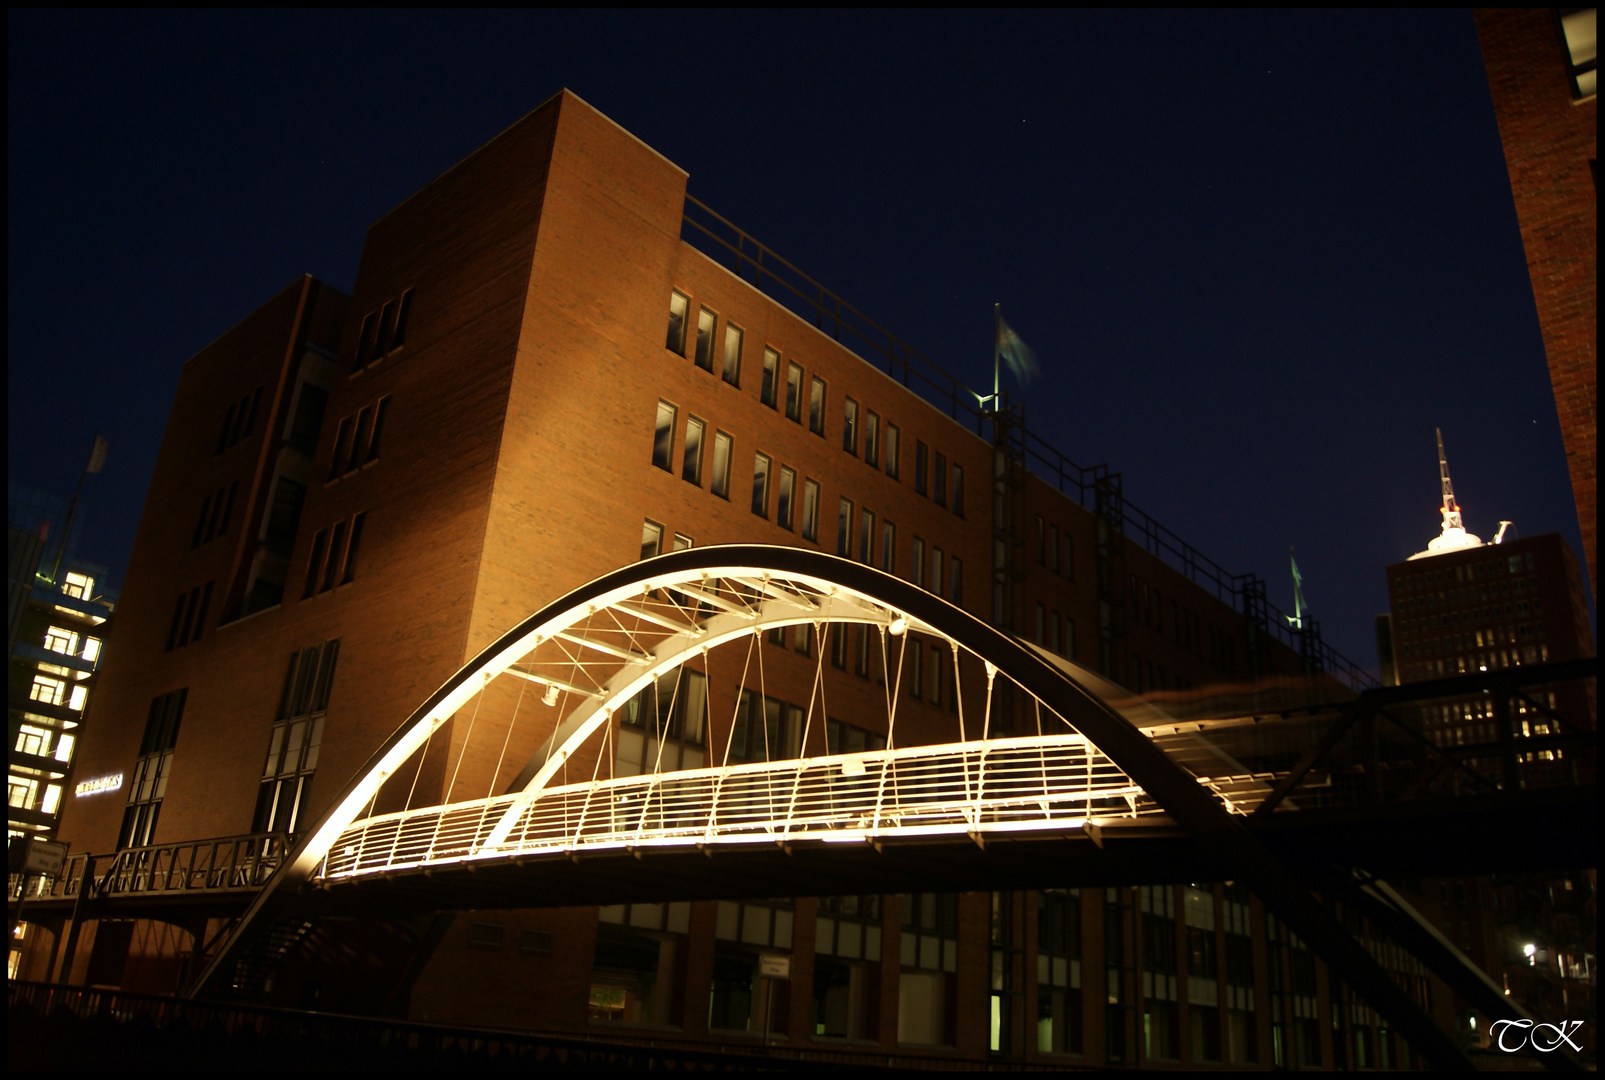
{"points": [[1260, 255]]}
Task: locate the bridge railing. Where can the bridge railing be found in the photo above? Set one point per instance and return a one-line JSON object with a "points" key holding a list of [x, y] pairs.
{"points": [[990, 786], [217, 863]]}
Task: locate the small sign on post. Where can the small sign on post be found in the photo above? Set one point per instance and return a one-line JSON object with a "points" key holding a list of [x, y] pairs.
{"points": [[44, 857], [774, 965]]}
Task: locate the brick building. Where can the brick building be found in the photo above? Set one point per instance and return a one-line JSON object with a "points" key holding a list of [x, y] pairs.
{"points": [[539, 379], [1541, 72]]}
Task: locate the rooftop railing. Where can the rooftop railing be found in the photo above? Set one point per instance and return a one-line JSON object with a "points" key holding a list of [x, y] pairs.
{"points": [[727, 244]]}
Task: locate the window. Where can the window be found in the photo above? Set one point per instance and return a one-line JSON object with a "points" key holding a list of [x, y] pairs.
{"points": [[1042, 541], [939, 478], [816, 406], [958, 490], [691, 464], [937, 570], [732, 355], [794, 376], [1042, 623], [783, 501], [929, 956], [663, 436], [1577, 29], [810, 510], [768, 390], [1053, 548], [216, 512], [398, 336], [239, 419], [955, 573], [722, 446], [850, 427], [847, 955], [151, 770], [866, 538], [872, 439], [844, 528], [284, 516], [918, 567], [357, 441], [919, 467], [936, 670], [662, 728], [679, 307], [1067, 639], [705, 321], [651, 539], [888, 547], [1059, 1026], [760, 485], [189, 617], [334, 555], [891, 450], [294, 741], [682, 542], [383, 331], [916, 668]]}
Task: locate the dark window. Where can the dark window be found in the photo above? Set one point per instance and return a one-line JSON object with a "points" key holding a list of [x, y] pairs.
{"points": [[488, 936], [769, 390], [351, 548], [705, 324], [760, 485], [844, 529], [387, 326], [691, 462], [310, 405], [919, 467], [381, 410], [939, 478], [283, 516], [850, 427], [320, 543], [398, 336], [783, 500], [200, 522], [679, 307], [722, 447], [810, 510], [872, 439], [892, 447], [365, 340], [151, 770], [342, 446], [663, 436], [958, 490], [732, 355], [228, 427], [816, 406]]}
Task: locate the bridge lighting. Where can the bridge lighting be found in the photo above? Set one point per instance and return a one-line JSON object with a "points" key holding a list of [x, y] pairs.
{"points": [[1530, 951], [899, 626]]}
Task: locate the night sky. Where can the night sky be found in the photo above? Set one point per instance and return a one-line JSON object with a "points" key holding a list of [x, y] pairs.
{"points": [[1259, 255]]}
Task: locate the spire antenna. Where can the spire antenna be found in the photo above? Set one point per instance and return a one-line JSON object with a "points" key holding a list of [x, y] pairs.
{"points": [[1451, 509]]}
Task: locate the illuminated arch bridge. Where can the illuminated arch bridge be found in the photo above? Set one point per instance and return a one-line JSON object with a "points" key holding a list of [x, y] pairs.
{"points": [[1066, 763]]}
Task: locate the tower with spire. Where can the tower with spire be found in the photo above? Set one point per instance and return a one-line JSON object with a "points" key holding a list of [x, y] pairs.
{"points": [[1453, 535]]}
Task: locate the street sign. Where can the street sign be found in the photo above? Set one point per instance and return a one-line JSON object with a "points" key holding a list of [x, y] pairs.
{"points": [[44, 857], [774, 966]]}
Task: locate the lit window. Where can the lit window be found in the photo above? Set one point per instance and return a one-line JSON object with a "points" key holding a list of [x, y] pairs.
{"points": [[768, 391], [721, 465], [651, 539], [682, 542], [794, 377], [783, 503], [816, 406], [850, 427], [844, 529], [61, 641], [810, 510], [32, 740], [732, 355], [1579, 29], [663, 438], [78, 586], [691, 464], [705, 321], [679, 307], [760, 485], [892, 450]]}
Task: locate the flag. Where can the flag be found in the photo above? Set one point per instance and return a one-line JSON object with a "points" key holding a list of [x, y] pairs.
{"points": [[1016, 353], [97, 456]]}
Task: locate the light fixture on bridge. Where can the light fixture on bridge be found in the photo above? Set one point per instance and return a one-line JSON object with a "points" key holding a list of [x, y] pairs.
{"points": [[899, 626], [550, 697], [1530, 951]]}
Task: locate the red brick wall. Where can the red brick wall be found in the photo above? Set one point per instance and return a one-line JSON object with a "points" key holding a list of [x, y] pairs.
{"points": [[1550, 146]]}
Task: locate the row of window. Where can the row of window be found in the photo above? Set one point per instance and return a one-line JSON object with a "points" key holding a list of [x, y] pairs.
{"points": [[334, 555], [1055, 632], [1420, 627], [216, 513], [152, 769], [1147, 607], [383, 331], [880, 439], [189, 617], [356, 442], [238, 420]]}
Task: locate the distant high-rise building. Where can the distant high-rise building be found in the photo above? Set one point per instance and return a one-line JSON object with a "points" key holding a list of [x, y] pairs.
{"points": [[56, 615], [1542, 75]]}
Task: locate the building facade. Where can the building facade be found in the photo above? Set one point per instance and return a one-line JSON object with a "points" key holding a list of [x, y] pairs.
{"points": [[57, 616], [539, 379], [1542, 75]]}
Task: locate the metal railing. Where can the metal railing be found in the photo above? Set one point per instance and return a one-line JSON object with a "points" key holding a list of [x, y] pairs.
{"points": [[971, 788], [219, 863], [185, 1033], [726, 243]]}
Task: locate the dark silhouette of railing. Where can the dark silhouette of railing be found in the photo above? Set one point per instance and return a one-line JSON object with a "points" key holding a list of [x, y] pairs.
{"points": [[728, 244]]}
